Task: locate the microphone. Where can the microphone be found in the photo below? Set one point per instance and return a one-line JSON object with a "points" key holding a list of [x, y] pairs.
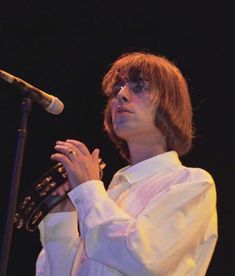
{"points": [[50, 103]]}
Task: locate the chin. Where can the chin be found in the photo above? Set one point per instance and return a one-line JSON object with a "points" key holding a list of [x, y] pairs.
{"points": [[120, 133], [123, 132]]}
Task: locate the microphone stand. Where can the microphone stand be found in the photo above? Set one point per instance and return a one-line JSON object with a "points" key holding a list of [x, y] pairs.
{"points": [[26, 106]]}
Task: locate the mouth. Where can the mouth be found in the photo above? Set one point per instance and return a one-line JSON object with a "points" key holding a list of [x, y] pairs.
{"points": [[121, 109]]}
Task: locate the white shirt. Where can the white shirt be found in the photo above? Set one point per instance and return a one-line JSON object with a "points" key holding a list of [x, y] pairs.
{"points": [[158, 217]]}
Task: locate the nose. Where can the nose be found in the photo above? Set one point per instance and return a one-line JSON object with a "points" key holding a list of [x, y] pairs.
{"points": [[124, 94]]}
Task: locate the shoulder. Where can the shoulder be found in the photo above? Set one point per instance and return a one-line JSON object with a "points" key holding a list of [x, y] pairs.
{"points": [[182, 173], [198, 174], [203, 186], [195, 181]]}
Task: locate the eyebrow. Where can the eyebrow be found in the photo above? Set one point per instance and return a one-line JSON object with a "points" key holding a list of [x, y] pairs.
{"points": [[122, 80]]}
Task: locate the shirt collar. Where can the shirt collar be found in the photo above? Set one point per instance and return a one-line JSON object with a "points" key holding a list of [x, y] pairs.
{"points": [[146, 168]]}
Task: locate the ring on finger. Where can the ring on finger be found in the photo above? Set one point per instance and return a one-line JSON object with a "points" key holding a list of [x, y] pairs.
{"points": [[72, 153]]}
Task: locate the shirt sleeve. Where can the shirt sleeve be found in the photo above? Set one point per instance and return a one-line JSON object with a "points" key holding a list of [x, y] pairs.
{"points": [[175, 229], [59, 237]]}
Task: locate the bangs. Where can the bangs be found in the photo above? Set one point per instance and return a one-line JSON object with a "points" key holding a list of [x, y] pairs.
{"points": [[135, 67]]}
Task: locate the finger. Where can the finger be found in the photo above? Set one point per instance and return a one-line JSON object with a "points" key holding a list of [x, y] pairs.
{"points": [[61, 158], [66, 186], [59, 142], [75, 144], [95, 154], [69, 151], [59, 191], [79, 145], [65, 146]]}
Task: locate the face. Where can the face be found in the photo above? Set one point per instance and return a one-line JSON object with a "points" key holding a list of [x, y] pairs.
{"points": [[133, 110]]}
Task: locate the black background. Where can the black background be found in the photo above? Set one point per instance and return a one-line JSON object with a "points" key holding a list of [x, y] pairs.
{"points": [[65, 48]]}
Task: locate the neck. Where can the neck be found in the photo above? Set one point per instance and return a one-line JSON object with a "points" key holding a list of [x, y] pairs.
{"points": [[142, 149]]}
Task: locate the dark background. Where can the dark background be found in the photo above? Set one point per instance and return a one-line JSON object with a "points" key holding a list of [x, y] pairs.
{"points": [[65, 48]]}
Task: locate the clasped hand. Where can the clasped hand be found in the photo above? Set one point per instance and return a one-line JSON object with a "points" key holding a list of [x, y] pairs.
{"points": [[79, 163]]}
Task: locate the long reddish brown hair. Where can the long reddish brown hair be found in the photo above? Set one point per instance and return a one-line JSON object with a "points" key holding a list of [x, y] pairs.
{"points": [[173, 108]]}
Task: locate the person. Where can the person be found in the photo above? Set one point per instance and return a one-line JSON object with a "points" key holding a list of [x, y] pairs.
{"points": [[157, 217]]}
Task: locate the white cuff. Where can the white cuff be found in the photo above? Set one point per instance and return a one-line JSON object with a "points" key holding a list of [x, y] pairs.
{"points": [[58, 226]]}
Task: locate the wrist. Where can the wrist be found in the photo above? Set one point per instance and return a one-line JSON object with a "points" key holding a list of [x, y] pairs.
{"points": [[65, 206]]}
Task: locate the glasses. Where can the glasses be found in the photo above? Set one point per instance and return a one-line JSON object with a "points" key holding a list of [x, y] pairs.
{"points": [[137, 87]]}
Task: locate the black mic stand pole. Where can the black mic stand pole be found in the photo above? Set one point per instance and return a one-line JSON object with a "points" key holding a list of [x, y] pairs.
{"points": [[26, 105]]}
